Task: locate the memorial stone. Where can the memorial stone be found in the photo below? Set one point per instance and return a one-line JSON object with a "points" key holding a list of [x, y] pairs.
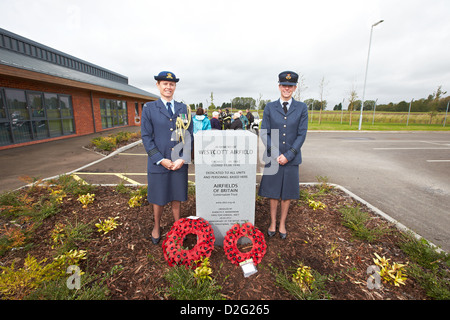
{"points": [[225, 178]]}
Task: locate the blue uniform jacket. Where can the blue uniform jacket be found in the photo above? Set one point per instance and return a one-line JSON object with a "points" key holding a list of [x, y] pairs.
{"points": [[157, 128], [292, 130]]}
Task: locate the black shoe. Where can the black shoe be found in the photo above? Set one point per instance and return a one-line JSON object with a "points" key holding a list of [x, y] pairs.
{"points": [[271, 233], [283, 235], [156, 240]]}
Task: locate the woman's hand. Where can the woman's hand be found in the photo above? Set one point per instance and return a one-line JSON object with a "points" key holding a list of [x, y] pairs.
{"points": [[177, 164], [282, 160], [166, 163]]}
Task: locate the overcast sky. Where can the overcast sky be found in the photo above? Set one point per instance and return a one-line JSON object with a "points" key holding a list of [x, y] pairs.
{"points": [[237, 48]]}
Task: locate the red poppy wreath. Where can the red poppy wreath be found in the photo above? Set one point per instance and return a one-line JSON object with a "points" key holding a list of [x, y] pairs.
{"points": [[246, 230], [172, 245]]}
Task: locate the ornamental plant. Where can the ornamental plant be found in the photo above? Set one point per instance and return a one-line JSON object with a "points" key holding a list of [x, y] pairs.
{"points": [[18, 283], [316, 204], [304, 278], [246, 230], [172, 245], [86, 199], [58, 195], [69, 258], [135, 201], [58, 235], [107, 225], [393, 274], [202, 272]]}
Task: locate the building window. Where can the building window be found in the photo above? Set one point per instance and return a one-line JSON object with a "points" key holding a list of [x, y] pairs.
{"points": [[30, 115], [114, 113]]}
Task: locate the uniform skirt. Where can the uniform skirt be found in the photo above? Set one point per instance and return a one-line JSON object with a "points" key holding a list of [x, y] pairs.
{"points": [[282, 185], [166, 187]]}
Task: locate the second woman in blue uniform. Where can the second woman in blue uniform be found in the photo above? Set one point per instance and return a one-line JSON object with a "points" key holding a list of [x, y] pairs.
{"points": [[290, 119]]}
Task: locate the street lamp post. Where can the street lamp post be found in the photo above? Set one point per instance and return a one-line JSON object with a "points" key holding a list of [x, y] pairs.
{"points": [[365, 77]]}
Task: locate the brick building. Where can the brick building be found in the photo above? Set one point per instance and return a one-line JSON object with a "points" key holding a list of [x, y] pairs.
{"points": [[46, 94]]}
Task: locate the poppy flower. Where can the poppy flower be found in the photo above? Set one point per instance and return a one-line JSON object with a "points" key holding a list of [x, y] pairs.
{"points": [[246, 230], [172, 245]]}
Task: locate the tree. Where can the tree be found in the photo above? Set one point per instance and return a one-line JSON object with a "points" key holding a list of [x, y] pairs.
{"points": [[368, 105], [263, 103], [322, 86], [212, 101], [313, 104], [351, 100], [301, 88], [226, 105], [338, 107], [434, 105], [244, 103]]}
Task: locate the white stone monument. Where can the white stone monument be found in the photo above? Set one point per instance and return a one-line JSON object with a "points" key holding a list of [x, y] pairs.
{"points": [[225, 178]]}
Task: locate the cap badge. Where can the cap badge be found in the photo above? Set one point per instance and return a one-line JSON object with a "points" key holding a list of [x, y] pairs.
{"points": [[169, 76], [288, 77]]}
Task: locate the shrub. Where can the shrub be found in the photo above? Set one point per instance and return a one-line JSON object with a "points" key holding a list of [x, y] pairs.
{"points": [[185, 286], [86, 199], [104, 143], [107, 225], [357, 220]]}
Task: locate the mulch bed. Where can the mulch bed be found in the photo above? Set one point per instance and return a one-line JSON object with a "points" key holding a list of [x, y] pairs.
{"points": [[311, 234]]}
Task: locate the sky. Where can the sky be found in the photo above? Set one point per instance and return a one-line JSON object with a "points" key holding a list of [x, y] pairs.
{"points": [[237, 48]]}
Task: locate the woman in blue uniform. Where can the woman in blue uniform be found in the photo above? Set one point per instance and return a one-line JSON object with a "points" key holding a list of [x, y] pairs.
{"points": [[290, 118], [167, 169]]}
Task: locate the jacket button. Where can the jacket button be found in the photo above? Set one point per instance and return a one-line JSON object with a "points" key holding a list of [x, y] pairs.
{"points": [[171, 129]]}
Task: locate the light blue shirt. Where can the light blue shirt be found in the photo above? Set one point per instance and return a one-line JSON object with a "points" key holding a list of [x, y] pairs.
{"points": [[288, 105]]}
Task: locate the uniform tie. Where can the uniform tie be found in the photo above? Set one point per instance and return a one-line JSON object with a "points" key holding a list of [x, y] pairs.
{"points": [[169, 108], [285, 107]]}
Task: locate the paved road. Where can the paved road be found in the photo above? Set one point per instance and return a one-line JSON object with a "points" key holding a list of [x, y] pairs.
{"points": [[406, 175], [47, 159]]}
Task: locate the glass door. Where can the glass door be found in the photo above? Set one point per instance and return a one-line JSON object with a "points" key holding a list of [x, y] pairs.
{"points": [[53, 114], [38, 117], [65, 106], [5, 126], [19, 115]]}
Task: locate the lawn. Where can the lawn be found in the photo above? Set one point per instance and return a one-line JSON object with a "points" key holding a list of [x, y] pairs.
{"points": [[329, 125]]}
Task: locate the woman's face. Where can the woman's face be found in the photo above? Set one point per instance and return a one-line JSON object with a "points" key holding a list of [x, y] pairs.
{"points": [[166, 89], [286, 91]]}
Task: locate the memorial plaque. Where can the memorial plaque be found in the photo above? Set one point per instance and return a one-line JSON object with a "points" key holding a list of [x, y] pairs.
{"points": [[225, 178]]}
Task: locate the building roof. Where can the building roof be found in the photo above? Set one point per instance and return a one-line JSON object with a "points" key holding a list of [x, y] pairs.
{"points": [[22, 53]]}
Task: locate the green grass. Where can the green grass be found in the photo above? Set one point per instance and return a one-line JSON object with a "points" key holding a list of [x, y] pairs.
{"points": [[429, 267], [328, 125], [184, 286], [358, 221], [383, 121]]}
